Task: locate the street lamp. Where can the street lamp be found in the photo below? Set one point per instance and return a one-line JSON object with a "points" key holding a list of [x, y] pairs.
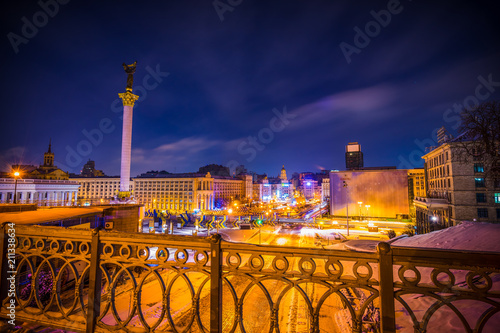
{"points": [[360, 203], [16, 174], [367, 207], [347, 205]]}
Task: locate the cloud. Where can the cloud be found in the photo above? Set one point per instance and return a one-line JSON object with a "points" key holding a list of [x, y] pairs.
{"points": [[181, 154], [357, 102]]}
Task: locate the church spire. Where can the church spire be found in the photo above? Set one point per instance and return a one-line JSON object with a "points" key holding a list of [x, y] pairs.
{"points": [[48, 157]]}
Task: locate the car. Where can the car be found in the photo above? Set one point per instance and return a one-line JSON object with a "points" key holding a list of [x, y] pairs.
{"points": [[245, 226]]}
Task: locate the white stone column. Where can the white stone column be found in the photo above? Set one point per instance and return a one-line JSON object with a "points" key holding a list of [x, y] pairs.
{"points": [[128, 105]]}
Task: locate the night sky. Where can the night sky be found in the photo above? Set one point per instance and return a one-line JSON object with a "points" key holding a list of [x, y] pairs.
{"points": [[210, 79]]}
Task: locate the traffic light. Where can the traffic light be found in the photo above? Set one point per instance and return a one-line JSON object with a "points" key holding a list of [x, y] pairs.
{"points": [[259, 222]]}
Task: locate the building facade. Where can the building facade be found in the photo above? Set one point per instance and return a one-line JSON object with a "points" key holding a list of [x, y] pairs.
{"points": [[43, 192], [382, 193], [45, 185], [416, 187], [309, 189], [172, 192], [325, 189], [456, 190]]}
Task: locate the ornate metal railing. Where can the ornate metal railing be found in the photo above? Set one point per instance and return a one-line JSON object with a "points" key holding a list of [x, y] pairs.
{"points": [[99, 281]]}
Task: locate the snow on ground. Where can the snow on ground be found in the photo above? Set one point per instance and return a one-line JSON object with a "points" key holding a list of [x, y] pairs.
{"points": [[237, 235], [473, 236]]}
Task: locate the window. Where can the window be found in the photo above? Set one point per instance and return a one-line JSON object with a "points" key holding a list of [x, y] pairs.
{"points": [[479, 182], [498, 213], [480, 197], [478, 167], [482, 212], [497, 198]]}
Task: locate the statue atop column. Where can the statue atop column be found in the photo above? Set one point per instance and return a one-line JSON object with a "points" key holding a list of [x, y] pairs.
{"points": [[130, 70]]}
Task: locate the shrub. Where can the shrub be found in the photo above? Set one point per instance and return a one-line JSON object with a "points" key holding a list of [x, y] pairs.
{"points": [[409, 230], [391, 233]]}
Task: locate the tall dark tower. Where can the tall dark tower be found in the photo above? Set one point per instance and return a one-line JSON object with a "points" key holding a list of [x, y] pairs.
{"points": [[48, 157], [353, 156]]}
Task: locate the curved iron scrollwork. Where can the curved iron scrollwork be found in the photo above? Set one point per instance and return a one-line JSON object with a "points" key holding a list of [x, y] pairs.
{"points": [[164, 284]]}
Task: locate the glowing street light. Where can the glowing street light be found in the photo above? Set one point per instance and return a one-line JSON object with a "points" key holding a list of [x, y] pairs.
{"points": [[367, 207], [16, 175], [360, 203]]}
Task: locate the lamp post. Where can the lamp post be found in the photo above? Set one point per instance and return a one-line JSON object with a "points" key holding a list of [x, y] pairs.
{"points": [[360, 203], [347, 205], [367, 207], [16, 174]]}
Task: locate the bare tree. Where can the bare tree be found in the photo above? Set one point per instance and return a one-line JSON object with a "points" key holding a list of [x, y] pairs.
{"points": [[479, 137]]}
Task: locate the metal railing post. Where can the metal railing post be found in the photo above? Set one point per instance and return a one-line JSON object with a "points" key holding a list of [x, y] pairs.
{"points": [[95, 280], [386, 278], [215, 284]]}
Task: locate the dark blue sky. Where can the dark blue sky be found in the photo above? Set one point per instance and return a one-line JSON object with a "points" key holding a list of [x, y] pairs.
{"points": [[225, 78]]}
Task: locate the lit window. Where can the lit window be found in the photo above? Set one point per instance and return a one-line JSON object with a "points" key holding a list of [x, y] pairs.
{"points": [[479, 182], [478, 167], [497, 198]]}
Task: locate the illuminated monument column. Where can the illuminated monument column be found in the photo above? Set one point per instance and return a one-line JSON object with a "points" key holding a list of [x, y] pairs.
{"points": [[128, 99]]}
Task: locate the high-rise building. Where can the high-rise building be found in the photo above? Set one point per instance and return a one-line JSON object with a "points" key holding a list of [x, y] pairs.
{"points": [[89, 170], [353, 156]]}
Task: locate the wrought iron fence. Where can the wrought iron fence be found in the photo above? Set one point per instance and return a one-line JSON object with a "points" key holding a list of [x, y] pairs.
{"points": [[100, 281]]}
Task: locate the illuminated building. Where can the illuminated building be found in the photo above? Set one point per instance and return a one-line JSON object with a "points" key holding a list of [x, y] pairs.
{"points": [[456, 190], [325, 189], [43, 192], [353, 156], [416, 187], [173, 192], [283, 174], [278, 189], [309, 188], [46, 185], [48, 170], [93, 189]]}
